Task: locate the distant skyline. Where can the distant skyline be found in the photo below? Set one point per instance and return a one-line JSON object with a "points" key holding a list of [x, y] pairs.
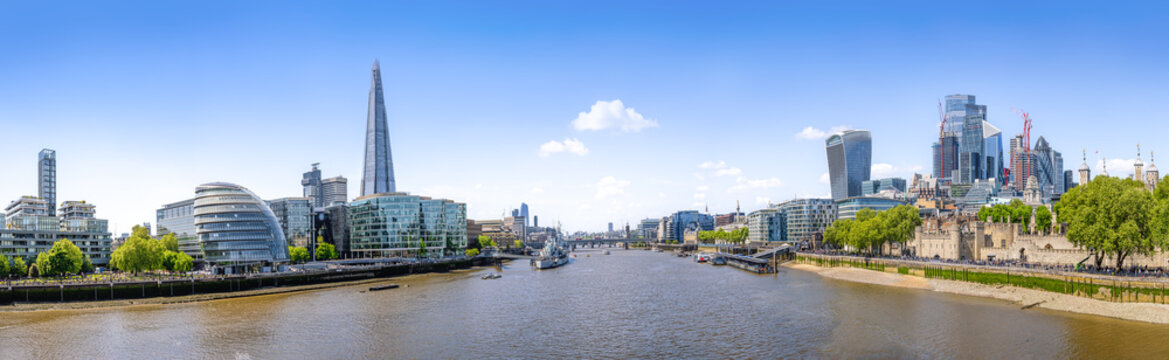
{"points": [[589, 113]]}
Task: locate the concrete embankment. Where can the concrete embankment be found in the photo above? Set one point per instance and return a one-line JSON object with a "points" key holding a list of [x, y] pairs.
{"points": [[97, 295], [1146, 312]]}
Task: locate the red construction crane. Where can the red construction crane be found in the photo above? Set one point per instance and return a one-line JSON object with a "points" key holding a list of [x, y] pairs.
{"points": [[941, 143], [1026, 147]]}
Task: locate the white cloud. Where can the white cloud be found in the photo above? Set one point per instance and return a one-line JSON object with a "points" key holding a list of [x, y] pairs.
{"points": [[1116, 167], [612, 114], [883, 170], [699, 196], [760, 200], [728, 172], [573, 146], [662, 195], [702, 188], [609, 186], [699, 176], [744, 184], [811, 133], [825, 178], [697, 204], [537, 190], [713, 165]]}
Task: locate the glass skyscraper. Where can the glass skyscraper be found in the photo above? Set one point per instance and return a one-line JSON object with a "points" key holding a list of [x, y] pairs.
{"points": [[47, 178], [849, 162], [378, 176]]}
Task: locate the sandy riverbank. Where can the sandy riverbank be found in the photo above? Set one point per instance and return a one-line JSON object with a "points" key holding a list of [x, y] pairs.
{"points": [[1146, 312], [80, 305]]}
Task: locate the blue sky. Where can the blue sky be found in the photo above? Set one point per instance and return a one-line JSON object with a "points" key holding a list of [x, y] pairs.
{"points": [[145, 100]]}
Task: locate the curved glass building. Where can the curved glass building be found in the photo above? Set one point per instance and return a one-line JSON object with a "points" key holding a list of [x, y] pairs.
{"points": [[850, 156], [236, 229], [399, 224]]}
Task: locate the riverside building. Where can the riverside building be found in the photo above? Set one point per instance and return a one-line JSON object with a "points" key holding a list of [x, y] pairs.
{"points": [[29, 230], [400, 224], [849, 161], [236, 230], [179, 218]]}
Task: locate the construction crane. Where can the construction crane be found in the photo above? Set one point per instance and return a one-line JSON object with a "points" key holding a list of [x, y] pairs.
{"points": [[1026, 171], [941, 143]]}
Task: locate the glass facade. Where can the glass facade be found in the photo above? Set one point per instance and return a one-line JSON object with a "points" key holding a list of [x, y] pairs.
{"points": [[806, 219], [296, 219], [378, 176], [235, 228], [179, 218], [766, 225], [887, 184], [948, 149], [688, 220], [398, 224], [847, 208], [993, 152], [849, 161], [47, 178], [1047, 167]]}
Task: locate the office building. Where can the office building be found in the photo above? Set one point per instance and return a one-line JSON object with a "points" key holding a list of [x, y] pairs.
{"points": [[336, 191], [946, 154], [648, 228], [766, 225], [29, 230], [295, 216], [179, 218], [47, 179], [237, 231], [378, 176], [849, 161], [331, 224], [687, 220], [524, 213], [847, 208], [992, 152], [872, 187], [400, 224], [610, 227], [971, 149], [1047, 168], [806, 219], [313, 187]]}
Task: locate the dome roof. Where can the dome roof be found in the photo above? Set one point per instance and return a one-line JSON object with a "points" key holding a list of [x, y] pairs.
{"points": [[1152, 168], [1084, 166]]}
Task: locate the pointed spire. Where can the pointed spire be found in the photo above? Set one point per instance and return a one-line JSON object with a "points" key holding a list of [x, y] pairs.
{"points": [[378, 175]]}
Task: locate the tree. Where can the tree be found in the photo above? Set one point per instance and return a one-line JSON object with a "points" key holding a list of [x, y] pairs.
{"points": [[18, 267], [183, 263], [1043, 219], [471, 252], [139, 253], [326, 251], [298, 254], [1114, 217], [421, 248], [485, 241], [86, 265], [168, 260], [4, 268], [519, 244], [170, 242], [61, 259]]}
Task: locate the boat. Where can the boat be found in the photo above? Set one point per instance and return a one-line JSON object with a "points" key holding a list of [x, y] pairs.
{"points": [[702, 258], [719, 261], [383, 287], [606, 252], [553, 255], [491, 276]]}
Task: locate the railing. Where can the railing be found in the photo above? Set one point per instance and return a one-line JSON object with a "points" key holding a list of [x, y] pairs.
{"points": [[1095, 286]]}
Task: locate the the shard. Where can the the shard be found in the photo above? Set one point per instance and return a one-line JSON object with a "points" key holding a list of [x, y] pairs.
{"points": [[378, 176]]}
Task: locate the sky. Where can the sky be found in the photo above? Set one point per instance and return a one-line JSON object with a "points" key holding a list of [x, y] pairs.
{"points": [[589, 112]]}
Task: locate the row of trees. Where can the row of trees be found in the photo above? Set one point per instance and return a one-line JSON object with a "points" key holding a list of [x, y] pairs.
{"points": [[142, 252], [63, 258], [1019, 213], [1116, 217], [325, 251], [737, 236], [870, 230]]}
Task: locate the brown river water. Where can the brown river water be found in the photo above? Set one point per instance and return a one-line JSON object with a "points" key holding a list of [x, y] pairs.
{"points": [[631, 304]]}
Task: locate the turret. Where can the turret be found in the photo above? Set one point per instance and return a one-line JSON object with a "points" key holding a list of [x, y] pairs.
{"points": [[1151, 175], [1085, 171], [1138, 166]]}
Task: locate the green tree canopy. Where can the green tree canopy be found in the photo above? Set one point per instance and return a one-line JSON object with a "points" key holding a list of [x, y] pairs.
{"points": [[471, 252], [326, 251], [1043, 219], [485, 241], [1114, 217], [871, 230], [5, 269], [298, 254], [19, 268], [170, 242], [62, 259], [139, 253]]}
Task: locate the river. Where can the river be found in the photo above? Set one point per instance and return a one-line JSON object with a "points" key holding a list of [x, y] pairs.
{"points": [[631, 304]]}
